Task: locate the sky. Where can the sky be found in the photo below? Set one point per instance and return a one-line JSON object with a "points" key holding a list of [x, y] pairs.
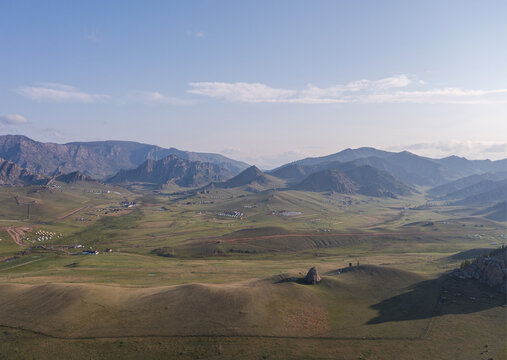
{"points": [[266, 82]]}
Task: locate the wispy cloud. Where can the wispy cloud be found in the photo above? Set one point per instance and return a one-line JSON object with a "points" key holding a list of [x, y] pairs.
{"points": [[242, 92], [53, 133], [196, 34], [468, 149], [156, 97], [395, 89], [264, 161], [53, 92], [13, 119]]}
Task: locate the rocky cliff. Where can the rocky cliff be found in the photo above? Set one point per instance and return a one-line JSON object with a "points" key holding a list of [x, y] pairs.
{"points": [[489, 270], [12, 174], [173, 169]]}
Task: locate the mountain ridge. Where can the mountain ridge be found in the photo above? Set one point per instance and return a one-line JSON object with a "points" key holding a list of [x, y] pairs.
{"points": [[173, 169], [406, 166], [98, 159]]}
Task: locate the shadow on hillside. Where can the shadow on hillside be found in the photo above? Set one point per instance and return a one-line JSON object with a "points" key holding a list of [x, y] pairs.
{"points": [[437, 297]]}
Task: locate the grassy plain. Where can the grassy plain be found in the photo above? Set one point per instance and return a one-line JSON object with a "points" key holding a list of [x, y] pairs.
{"points": [[184, 282]]}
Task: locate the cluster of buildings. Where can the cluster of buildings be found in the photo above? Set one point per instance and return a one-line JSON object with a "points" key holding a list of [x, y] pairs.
{"points": [[89, 251], [43, 235], [128, 204], [233, 214]]}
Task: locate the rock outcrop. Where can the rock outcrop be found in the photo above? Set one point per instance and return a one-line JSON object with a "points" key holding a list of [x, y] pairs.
{"points": [[74, 177], [490, 270], [12, 174], [173, 170], [312, 277]]}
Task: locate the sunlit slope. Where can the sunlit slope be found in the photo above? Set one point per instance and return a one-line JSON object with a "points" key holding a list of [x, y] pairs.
{"points": [[342, 306]]}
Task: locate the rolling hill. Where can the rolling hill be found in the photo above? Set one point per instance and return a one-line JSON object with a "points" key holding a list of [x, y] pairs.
{"points": [[465, 182], [497, 191], [252, 179], [375, 182], [477, 189], [497, 212], [259, 307], [74, 177], [328, 180], [365, 180]]}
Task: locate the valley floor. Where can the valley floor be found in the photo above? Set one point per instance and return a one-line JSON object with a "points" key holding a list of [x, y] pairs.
{"points": [[184, 282]]}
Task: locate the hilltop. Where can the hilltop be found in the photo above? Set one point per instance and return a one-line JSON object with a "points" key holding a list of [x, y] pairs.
{"points": [[73, 177], [252, 179]]}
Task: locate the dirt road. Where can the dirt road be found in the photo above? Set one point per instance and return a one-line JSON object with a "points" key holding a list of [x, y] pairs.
{"points": [[75, 211], [279, 236], [18, 234]]}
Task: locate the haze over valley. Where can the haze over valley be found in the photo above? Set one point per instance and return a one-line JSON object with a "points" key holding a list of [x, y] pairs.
{"points": [[253, 180]]}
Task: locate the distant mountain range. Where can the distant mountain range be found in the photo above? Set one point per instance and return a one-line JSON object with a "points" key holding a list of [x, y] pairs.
{"points": [[99, 159], [407, 167], [366, 171], [173, 169]]}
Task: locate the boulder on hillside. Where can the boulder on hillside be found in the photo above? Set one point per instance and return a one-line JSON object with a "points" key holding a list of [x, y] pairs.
{"points": [[312, 277]]}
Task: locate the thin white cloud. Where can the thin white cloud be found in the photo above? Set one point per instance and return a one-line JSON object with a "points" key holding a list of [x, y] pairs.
{"points": [[53, 133], [264, 161], [53, 92], [387, 90], [12, 119], [441, 96], [156, 97], [241, 92], [468, 149]]}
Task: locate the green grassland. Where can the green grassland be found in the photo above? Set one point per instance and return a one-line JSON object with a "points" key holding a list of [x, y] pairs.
{"points": [[183, 281]]}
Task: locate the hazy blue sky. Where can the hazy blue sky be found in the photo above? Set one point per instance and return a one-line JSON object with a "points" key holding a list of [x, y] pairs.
{"points": [[262, 81]]}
